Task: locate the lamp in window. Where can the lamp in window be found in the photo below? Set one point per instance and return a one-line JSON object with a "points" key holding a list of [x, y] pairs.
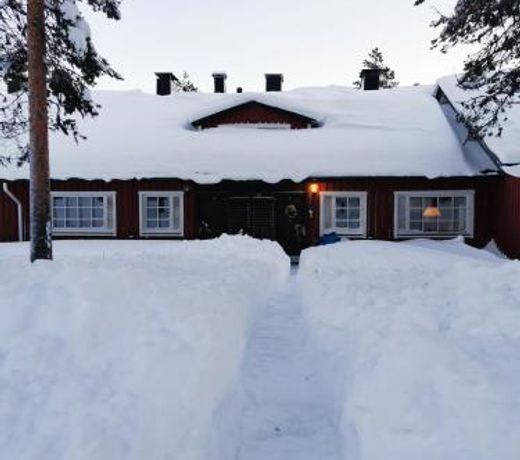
{"points": [[431, 211], [314, 188]]}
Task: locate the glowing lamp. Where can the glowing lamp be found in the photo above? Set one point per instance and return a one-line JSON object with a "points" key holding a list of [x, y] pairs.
{"points": [[314, 188], [431, 211]]}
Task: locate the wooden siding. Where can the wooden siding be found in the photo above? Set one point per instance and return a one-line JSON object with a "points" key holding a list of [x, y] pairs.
{"points": [[380, 202], [127, 202], [507, 219], [497, 203], [254, 112]]}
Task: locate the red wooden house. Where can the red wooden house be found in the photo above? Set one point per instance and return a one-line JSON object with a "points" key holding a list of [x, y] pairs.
{"points": [[290, 166]]}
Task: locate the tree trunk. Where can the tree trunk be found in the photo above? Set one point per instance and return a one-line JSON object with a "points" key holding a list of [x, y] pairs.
{"points": [[40, 197]]}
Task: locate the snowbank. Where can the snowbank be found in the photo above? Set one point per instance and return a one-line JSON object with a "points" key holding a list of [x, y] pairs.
{"points": [[399, 132], [427, 340], [124, 350]]}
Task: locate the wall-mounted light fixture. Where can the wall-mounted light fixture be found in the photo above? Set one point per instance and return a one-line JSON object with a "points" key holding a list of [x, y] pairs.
{"points": [[314, 188]]}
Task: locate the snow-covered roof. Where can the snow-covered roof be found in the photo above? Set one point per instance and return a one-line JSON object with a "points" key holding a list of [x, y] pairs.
{"points": [[507, 146], [399, 132]]}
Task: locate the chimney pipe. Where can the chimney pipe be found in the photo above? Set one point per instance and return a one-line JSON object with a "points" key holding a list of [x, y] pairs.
{"points": [[219, 79], [371, 79], [273, 82], [164, 83]]}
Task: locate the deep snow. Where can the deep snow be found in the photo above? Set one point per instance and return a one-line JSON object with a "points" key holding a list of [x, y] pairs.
{"points": [[427, 340], [210, 351], [124, 350]]}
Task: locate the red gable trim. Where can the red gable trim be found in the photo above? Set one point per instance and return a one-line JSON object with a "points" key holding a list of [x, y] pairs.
{"points": [[256, 112]]}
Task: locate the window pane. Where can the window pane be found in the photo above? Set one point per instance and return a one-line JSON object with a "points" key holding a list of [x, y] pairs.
{"points": [[59, 223], [164, 201], [416, 214], [71, 213], [164, 213], [341, 202], [416, 225], [164, 223], [85, 201], [354, 214], [341, 213], [341, 223], [415, 202], [152, 213], [59, 201], [354, 202], [71, 201], [151, 201], [460, 201], [97, 223], [98, 212], [59, 212], [354, 224]]}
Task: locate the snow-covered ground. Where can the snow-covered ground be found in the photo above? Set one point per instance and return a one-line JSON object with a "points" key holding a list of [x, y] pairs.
{"points": [[211, 351], [426, 339], [124, 350]]}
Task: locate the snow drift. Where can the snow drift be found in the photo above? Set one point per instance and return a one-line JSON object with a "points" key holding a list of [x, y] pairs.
{"points": [[427, 340], [123, 350]]}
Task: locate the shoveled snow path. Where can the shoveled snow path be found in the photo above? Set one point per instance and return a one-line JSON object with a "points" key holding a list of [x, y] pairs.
{"points": [[284, 406]]}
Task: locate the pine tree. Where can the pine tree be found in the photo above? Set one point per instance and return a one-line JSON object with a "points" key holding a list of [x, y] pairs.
{"points": [[375, 60], [47, 63], [185, 84], [493, 28]]}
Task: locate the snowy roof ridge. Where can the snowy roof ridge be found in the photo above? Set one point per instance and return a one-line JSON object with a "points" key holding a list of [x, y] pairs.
{"points": [[400, 132], [504, 148]]}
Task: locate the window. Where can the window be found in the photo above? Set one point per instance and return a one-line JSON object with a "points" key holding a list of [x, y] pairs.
{"points": [[161, 213], [344, 213], [441, 213], [78, 213]]}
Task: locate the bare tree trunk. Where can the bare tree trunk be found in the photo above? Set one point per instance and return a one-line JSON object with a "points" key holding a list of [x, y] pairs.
{"points": [[40, 198]]}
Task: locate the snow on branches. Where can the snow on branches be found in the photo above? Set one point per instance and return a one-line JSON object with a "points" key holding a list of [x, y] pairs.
{"points": [[72, 62], [493, 70]]}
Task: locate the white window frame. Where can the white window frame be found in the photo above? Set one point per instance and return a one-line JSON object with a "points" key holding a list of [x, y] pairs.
{"points": [[362, 232], [470, 213], [167, 231], [106, 230]]}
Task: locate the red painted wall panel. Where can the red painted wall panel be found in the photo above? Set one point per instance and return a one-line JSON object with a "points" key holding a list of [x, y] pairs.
{"points": [[507, 220]]}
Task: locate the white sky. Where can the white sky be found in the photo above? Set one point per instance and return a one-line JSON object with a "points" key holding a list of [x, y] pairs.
{"points": [[312, 42]]}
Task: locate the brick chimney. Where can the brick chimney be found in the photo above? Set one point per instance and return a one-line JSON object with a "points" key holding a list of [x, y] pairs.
{"points": [[273, 82], [371, 79], [219, 79], [164, 83]]}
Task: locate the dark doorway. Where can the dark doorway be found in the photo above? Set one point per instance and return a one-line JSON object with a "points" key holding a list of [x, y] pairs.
{"points": [[291, 221], [281, 217], [254, 216]]}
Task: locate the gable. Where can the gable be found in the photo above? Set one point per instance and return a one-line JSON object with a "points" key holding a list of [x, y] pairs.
{"points": [[256, 113]]}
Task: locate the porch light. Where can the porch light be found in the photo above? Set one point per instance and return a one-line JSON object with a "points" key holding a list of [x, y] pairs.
{"points": [[431, 211], [314, 188]]}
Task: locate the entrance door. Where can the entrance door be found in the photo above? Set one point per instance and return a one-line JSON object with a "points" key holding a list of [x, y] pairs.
{"points": [[254, 216], [291, 221]]}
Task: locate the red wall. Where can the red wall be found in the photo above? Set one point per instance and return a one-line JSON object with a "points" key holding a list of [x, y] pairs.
{"points": [[381, 202], [507, 220], [497, 204], [127, 199], [255, 113]]}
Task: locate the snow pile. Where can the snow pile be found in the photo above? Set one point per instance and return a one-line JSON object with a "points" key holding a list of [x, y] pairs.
{"points": [[427, 340], [124, 350], [505, 146], [399, 132]]}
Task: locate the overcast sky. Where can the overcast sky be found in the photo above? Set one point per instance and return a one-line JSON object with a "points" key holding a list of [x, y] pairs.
{"points": [[312, 42]]}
